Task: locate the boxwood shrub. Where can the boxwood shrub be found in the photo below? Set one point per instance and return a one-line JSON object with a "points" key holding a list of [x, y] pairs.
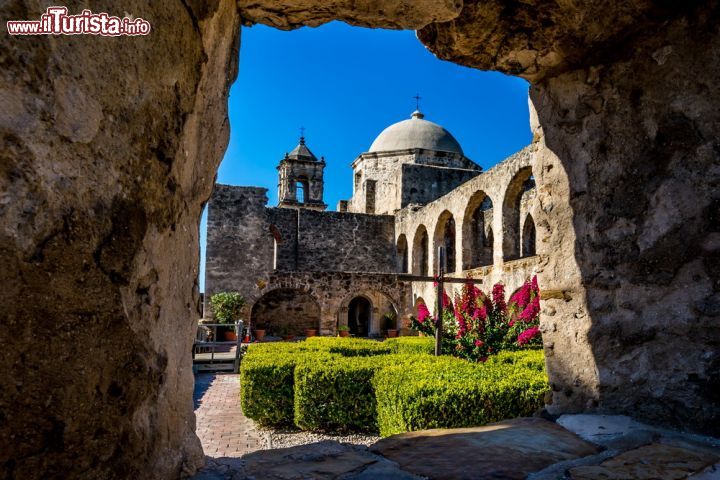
{"points": [[412, 344], [350, 347], [449, 395], [393, 386], [339, 394], [267, 382]]}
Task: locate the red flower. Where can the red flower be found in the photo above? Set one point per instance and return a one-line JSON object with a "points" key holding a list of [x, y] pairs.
{"points": [[479, 343], [498, 295], [423, 313], [527, 335], [446, 300]]}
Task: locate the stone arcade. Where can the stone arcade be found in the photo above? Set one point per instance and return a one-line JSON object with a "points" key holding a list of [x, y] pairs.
{"points": [[110, 148], [414, 190]]}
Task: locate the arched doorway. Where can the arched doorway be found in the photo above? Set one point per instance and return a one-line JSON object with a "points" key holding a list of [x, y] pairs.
{"points": [[359, 316], [445, 236], [519, 191], [420, 252], [528, 237], [286, 311], [402, 254], [477, 232]]}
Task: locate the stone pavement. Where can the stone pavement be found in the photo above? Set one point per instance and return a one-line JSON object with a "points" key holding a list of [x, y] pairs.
{"points": [[577, 447], [223, 430]]}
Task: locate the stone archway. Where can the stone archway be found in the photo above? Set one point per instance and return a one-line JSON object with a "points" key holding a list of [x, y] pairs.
{"points": [[359, 316], [445, 236], [286, 311], [110, 153], [511, 218], [402, 253], [420, 252], [380, 302], [477, 247]]}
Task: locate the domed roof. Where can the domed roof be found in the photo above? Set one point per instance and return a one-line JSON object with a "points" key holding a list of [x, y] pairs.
{"points": [[416, 132]]}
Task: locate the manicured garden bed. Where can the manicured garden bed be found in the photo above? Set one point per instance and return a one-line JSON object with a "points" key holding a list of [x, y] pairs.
{"points": [[345, 384]]}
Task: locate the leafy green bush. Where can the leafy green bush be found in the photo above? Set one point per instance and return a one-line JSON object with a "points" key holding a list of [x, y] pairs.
{"points": [[336, 395], [411, 344], [449, 394], [349, 347], [339, 394], [267, 394], [226, 306], [353, 384], [267, 380]]}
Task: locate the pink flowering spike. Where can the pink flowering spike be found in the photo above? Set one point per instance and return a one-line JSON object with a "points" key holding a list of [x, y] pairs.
{"points": [[534, 284], [445, 300], [498, 295], [527, 335], [423, 313]]}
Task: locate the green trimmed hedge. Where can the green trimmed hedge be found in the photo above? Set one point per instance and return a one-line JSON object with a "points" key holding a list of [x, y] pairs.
{"points": [[346, 384], [267, 375], [452, 395], [412, 345], [339, 394], [350, 347]]}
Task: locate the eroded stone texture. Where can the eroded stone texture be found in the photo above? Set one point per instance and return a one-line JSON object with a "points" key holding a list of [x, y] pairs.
{"points": [[99, 217], [109, 148], [627, 169], [511, 449], [401, 14]]}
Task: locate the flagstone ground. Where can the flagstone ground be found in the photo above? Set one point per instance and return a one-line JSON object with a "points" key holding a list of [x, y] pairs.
{"points": [[578, 447]]}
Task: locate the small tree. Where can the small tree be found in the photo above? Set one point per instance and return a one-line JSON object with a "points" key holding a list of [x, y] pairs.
{"points": [[226, 306]]}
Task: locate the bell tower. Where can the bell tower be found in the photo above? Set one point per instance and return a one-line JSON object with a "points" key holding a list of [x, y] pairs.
{"points": [[300, 179]]}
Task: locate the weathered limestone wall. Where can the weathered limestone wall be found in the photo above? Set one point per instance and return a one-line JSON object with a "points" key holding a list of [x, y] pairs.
{"points": [[109, 148], [639, 158], [240, 244], [333, 292], [461, 203], [248, 241], [626, 125], [389, 181], [421, 184], [346, 242]]}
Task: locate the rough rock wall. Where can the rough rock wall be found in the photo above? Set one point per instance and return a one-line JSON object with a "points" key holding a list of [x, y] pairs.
{"points": [[240, 246], [333, 291], [627, 173], [421, 184], [109, 148], [346, 242]]}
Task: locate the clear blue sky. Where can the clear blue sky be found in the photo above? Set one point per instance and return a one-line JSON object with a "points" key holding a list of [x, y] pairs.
{"points": [[345, 85]]}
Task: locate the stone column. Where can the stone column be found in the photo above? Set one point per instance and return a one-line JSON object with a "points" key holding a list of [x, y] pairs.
{"points": [[110, 147], [628, 177]]}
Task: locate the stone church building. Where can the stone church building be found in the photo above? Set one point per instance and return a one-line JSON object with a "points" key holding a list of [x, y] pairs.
{"points": [[300, 266]]}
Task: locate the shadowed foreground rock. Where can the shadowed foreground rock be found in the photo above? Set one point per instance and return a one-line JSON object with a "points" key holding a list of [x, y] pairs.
{"points": [[110, 147], [511, 449], [626, 123]]}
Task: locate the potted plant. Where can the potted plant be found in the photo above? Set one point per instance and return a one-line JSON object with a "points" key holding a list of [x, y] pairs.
{"points": [[310, 332], [227, 306], [343, 331], [259, 333], [389, 324], [285, 333]]}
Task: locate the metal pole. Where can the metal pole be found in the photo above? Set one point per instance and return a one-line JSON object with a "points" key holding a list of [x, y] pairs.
{"points": [[440, 290]]}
